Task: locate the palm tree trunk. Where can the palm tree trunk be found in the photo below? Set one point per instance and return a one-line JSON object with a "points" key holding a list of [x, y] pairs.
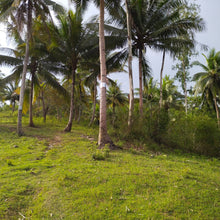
{"points": [[94, 102], [217, 112], [26, 59], [31, 123], [131, 88], [161, 80], [103, 135], [140, 83], [71, 115]]}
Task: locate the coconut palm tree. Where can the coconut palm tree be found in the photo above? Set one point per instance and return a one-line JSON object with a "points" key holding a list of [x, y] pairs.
{"points": [[117, 12], [208, 81], [40, 68], [114, 63], [103, 135], [111, 5], [8, 93], [158, 25], [22, 12], [171, 96], [151, 92], [131, 88], [71, 42], [115, 97]]}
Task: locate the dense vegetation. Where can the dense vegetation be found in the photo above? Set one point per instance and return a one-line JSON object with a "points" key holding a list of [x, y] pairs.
{"points": [[70, 114]]}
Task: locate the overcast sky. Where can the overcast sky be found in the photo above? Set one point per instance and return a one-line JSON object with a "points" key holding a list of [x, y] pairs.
{"points": [[210, 10]]}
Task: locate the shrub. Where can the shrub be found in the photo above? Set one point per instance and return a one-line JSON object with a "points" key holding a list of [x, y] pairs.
{"points": [[195, 133]]}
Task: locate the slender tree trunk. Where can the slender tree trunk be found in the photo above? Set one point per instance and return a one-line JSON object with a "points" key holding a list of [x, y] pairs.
{"points": [[94, 102], [140, 83], [26, 59], [71, 115], [31, 123], [161, 80], [103, 135], [131, 88], [185, 87], [217, 112]]}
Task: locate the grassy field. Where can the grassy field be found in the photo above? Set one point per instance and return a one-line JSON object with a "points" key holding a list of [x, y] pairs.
{"points": [[49, 174]]}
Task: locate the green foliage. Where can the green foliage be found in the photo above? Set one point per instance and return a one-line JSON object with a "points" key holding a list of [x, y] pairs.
{"points": [[196, 133], [163, 22]]}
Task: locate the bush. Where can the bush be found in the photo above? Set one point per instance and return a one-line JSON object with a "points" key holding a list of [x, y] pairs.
{"points": [[195, 133]]}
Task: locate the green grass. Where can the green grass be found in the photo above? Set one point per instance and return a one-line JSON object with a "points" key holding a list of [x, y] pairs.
{"points": [[49, 174]]}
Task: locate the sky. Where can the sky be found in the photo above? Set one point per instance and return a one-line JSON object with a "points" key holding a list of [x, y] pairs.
{"points": [[210, 37]]}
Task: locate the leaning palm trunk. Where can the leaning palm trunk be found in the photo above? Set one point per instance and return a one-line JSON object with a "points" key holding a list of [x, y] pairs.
{"points": [[140, 83], [103, 135], [131, 89], [161, 80], [217, 112], [70, 122], [26, 59]]}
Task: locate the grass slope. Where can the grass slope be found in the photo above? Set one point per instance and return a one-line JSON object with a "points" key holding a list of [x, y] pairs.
{"points": [[49, 174]]}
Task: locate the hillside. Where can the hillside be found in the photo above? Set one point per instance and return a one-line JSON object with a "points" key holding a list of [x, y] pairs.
{"points": [[49, 174]]}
